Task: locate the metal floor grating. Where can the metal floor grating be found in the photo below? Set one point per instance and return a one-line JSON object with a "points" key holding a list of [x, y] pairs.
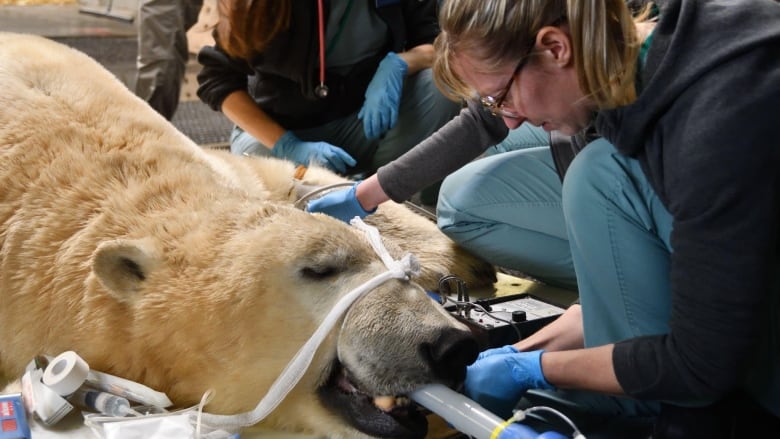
{"points": [[109, 51], [118, 53], [202, 124]]}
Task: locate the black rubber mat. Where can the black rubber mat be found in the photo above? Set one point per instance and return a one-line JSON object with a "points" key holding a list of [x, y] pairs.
{"points": [[109, 51], [118, 54], [202, 124]]}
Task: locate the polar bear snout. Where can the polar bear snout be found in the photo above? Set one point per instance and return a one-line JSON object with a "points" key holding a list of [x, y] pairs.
{"points": [[396, 339], [450, 354], [369, 383], [383, 356]]}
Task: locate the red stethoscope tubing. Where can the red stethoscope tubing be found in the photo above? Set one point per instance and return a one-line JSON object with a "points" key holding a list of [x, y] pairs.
{"points": [[321, 90]]}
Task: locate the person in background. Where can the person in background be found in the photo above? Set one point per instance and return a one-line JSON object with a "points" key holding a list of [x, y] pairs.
{"points": [[671, 213], [162, 51], [346, 84]]}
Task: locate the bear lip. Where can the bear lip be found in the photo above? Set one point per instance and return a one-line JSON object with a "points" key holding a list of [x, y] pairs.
{"points": [[356, 407]]}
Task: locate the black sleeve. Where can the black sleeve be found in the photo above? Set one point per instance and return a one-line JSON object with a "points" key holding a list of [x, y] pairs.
{"points": [[220, 76], [422, 24]]}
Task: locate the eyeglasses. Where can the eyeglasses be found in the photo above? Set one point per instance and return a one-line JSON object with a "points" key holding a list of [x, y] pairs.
{"points": [[496, 105]]}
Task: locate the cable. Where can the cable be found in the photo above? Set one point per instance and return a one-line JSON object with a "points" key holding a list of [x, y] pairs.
{"points": [[300, 202], [205, 399], [520, 415], [420, 210], [467, 305], [464, 304]]}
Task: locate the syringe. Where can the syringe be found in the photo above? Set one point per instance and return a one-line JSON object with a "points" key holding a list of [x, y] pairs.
{"points": [[101, 402]]}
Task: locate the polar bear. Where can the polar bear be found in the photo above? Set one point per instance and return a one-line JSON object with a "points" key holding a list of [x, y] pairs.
{"points": [[189, 270]]}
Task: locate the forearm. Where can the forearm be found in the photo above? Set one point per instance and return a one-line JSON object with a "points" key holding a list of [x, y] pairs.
{"points": [[565, 363], [244, 112], [471, 131], [418, 58], [582, 369], [370, 194], [563, 333]]}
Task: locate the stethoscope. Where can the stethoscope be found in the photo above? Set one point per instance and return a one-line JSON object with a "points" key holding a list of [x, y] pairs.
{"points": [[321, 90]]}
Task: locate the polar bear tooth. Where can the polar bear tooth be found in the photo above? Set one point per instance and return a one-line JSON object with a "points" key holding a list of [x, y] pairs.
{"points": [[402, 401], [384, 403]]}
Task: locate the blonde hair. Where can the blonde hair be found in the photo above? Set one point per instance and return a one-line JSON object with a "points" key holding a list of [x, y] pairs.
{"points": [[603, 33]]}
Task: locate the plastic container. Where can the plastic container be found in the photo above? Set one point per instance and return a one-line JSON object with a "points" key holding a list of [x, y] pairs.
{"points": [[101, 402]]}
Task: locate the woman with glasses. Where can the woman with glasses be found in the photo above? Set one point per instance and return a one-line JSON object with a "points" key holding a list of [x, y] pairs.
{"points": [[672, 216]]}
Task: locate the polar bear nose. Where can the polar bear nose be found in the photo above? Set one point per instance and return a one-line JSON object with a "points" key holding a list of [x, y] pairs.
{"points": [[451, 353]]}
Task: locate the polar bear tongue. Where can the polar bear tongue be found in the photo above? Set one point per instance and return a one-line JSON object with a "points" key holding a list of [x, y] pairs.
{"points": [[383, 416]]}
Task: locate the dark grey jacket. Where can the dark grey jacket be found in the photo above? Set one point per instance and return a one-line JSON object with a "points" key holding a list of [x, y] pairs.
{"points": [[705, 129]]}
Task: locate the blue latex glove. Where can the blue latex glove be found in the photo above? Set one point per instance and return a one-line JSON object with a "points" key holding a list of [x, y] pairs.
{"points": [[499, 377], [507, 349], [342, 205], [289, 146], [383, 96]]}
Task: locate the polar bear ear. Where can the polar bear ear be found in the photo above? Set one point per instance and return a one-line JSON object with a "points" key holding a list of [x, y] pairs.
{"points": [[123, 265]]}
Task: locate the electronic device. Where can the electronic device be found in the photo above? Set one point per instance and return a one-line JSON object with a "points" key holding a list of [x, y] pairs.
{"points": [[496, 321], [505, 320]]}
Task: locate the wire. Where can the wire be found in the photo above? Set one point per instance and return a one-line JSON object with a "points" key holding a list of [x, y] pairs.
{"points": [[420, 210], [520, 415], [470, 305], [300, 203], [464, 304], [205, 399]]}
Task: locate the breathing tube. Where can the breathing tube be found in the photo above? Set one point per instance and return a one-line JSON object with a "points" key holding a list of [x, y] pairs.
{"points": [[470, 418]]}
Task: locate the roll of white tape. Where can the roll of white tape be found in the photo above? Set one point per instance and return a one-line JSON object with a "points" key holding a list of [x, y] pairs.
{"points": [[65, 373]]}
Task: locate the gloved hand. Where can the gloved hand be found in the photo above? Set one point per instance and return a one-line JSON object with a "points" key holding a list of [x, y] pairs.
{"points": [[383, 96], [507, 349], [289, 146], [342, 205], [498, 379]]}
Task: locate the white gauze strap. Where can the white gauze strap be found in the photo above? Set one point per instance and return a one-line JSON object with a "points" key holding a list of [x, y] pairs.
{"points": [[293, 372]]}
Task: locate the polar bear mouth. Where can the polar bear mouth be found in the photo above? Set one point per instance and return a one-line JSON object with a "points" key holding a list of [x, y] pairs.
{"points": [[381, 416]]}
